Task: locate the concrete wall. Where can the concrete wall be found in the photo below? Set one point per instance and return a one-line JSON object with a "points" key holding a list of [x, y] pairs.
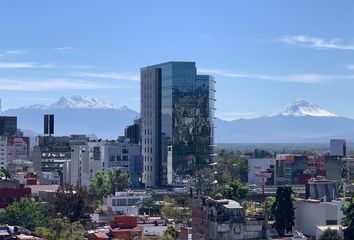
{"points": [[309, 214]]}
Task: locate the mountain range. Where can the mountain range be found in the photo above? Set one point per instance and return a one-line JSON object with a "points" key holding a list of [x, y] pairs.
{"points": [[298, 122], [77, 115]]}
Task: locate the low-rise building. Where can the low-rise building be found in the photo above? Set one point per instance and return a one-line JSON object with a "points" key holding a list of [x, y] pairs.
{"points": [[126, 227], [11, 191], [223, 219], [310, 213], [321, 188], [125, 202], [256, 166]]}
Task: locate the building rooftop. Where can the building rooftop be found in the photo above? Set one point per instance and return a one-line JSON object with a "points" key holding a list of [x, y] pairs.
{"points": [[100, 235], [231, 204]]}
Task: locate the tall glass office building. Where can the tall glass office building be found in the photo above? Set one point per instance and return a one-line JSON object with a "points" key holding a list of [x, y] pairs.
{"points": [[177, 112]]}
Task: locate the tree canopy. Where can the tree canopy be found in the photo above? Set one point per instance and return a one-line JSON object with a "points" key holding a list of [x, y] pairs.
{"points": [[149, 203], [118, 181], [4, 173], [231, 167], [234, 190], [25, 213], [283, 211], [104, 184], [62, 229], [330, 234], [348, 221], [268, 205], [172, 210], [73, 203], [99, 185]]}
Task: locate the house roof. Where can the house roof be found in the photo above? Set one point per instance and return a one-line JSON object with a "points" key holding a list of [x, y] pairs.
{"points": [[101, 235], [228, 203]]}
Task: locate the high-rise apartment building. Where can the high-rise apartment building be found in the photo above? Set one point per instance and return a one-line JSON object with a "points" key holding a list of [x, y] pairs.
{"points": [[177, 112], [132, 132], [48, 124], [8, 125]]}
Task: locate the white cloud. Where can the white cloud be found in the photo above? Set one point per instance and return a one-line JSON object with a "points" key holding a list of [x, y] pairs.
{"points": [[318, 43], [109, 75], [308, 78], [17, 65], [11, 52], [67, 48], [54, 84]]}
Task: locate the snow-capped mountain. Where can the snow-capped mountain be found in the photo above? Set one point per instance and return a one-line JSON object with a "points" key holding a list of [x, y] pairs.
{"points": [[298, 122], [74, 102], [303, 108], [77, 115]]}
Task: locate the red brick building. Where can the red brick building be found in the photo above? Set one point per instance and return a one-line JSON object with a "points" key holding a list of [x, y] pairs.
{"points": [[10, 191], [126, 228]]}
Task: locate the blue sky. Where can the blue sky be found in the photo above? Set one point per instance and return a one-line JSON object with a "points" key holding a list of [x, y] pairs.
{"points": [[264, 54]]}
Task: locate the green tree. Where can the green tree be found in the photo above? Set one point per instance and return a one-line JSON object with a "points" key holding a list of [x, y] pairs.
{"points": [[268, 205], [25, 213], [118, 180], [231, 167], [170, 234], [179, 212], [99, 185], [46, 233], [233, 190], [148, 203], [330, 234], [183, 200], [5, 173], [283, 211], [62, 229], [24, 167], [203, 181], [345, 170], [348, 221], [73, 203]]}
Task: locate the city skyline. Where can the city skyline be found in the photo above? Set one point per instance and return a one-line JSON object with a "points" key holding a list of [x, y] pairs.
{"points": [[260, 61]]}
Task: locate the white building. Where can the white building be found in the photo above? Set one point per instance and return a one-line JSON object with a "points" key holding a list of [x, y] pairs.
{"points": [[311, 213], [91, 157], [125, 202], [256, 166], [79, 166], [3, 152]]}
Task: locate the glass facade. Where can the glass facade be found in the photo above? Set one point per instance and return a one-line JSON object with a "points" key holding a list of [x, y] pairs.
{"points": [[186, 103]]}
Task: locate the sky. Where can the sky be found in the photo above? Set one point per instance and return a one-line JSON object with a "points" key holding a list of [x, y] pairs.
{"points": [[263, 54]]}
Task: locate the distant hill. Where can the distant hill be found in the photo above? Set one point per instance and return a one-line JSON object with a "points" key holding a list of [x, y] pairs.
{"points": [[77, 115], [298, 122]]}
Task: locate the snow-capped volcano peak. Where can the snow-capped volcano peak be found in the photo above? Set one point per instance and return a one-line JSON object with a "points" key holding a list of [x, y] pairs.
{"points": [[303, 108], [80, 102]]}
